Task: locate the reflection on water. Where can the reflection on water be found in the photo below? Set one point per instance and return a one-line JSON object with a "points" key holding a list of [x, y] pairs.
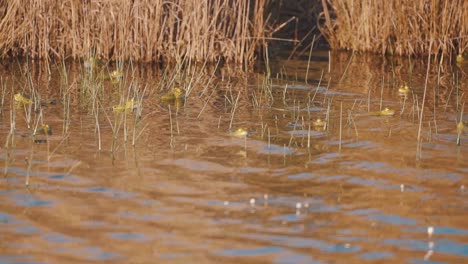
{"points": [[189, 191]]}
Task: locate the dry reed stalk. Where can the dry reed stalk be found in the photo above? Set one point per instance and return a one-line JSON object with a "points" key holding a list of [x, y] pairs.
{"points": [[143, 30], [398, 27]]}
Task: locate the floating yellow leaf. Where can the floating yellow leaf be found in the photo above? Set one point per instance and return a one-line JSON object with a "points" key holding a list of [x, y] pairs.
{"points": [[387, 112], [44, 130], [462, 126], [241, 132], [318, 124], [129, 105], [116, 76], [404, 89], [175, 94], [19, 98]]}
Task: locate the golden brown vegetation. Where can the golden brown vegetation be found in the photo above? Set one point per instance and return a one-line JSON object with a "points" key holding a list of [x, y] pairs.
{"points": [[140, 30], [403, 27]]}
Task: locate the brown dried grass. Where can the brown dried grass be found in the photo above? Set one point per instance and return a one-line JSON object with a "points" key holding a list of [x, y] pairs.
{"points": [[138, 30], [403, 27]]}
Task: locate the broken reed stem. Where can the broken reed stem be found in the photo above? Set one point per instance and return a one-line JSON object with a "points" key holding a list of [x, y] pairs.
{"points": [[341, 123], [460, 125], [2, 100], [172, 132], [206, 103], [418, 150], [234, 110], [381, 93], [347, 66], [308, 61], [98, 127]]}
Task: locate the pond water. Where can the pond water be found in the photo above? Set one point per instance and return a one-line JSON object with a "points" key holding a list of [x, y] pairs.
{"points": [[178, 185]]}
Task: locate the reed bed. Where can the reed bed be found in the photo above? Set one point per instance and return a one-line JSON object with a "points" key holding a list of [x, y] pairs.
{"points": [[403, 27], [140, 30]]}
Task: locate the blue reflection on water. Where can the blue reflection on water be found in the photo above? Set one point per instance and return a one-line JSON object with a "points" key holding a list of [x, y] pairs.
{"points": [[26, 230], [300, 242], [96, 253], [289, 257], [376, 255], [17, 259], [440, 230], [4, 218], [111, 192], [29, 200], [375, 215], [304, 175], [440, 245], [129, 236], [250, 251], [60, 238]]}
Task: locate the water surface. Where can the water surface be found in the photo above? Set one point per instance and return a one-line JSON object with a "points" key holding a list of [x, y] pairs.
{"points": [[189, 191]]}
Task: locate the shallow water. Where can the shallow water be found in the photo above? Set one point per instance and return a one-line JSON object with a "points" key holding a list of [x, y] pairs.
{"points": [[190, 191]]}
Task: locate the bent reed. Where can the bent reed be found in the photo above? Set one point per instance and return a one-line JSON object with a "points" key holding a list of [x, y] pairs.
{"points": [[401, 27], [140, 30]]}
